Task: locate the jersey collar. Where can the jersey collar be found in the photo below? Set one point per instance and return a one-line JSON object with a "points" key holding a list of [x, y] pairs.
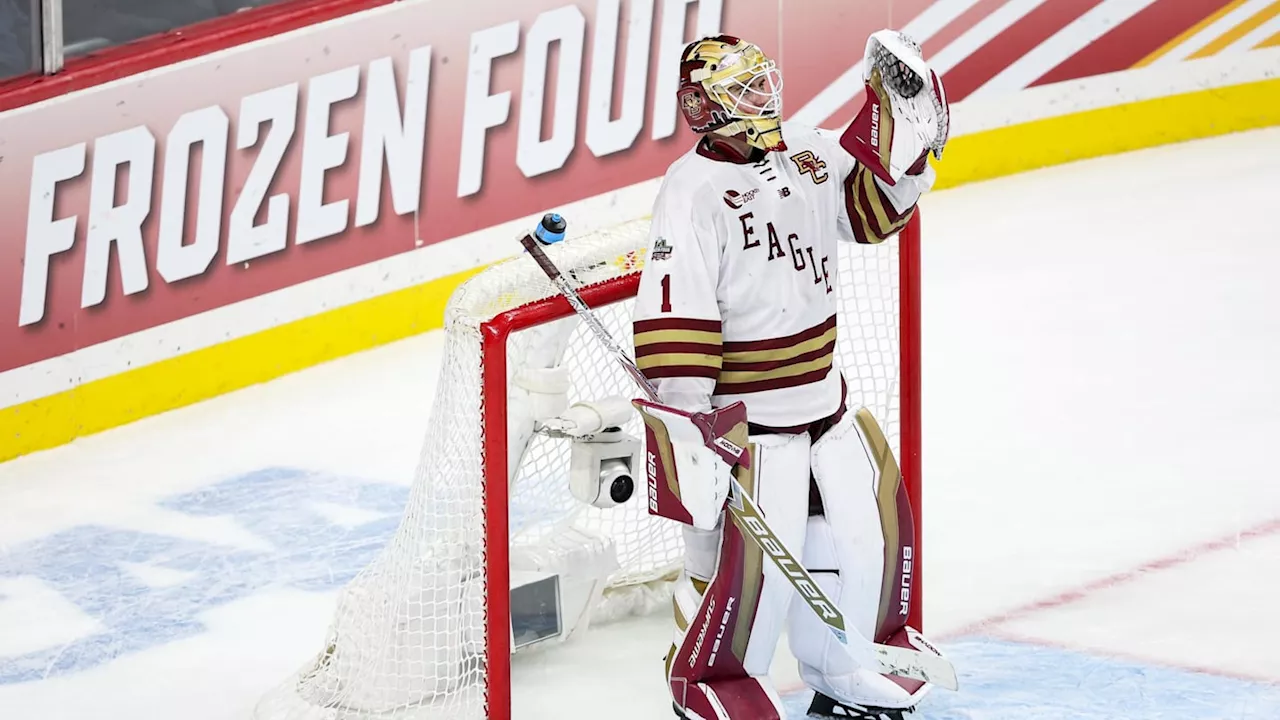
{"points": [[723, 152]]}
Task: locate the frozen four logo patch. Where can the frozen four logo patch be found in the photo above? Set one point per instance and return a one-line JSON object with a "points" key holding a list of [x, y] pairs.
{"points": [[661, 249]]}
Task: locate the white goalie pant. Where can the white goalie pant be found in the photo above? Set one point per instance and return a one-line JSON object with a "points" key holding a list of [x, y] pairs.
{"points": [[844, 550]]}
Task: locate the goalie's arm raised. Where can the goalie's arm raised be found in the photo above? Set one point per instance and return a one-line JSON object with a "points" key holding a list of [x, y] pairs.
{"points": [[904, 119], [677, 314]]}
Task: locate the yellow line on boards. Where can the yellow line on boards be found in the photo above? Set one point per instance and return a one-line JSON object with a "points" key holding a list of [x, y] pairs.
{"points": [[202, 374], [1107, 131]]}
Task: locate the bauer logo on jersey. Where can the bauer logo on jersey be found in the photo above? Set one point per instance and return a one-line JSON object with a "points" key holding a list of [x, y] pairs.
{"points": [[736, 200], [661, 249], [809, 163]]}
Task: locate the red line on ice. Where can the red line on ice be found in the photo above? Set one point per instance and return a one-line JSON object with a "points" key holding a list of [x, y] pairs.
{"points": [[1270, 527]]}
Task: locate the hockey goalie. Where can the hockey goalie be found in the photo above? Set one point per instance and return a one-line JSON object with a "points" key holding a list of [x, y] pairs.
{"points": [[735, 304], [736, 308]]}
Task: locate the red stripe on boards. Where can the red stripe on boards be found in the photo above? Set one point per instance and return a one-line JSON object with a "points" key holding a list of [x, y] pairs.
{"points": [[1134, 39], [1009, 46], [960, 25]]}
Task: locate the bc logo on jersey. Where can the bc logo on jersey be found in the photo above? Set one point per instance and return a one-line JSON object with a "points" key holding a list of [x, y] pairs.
{"points": [[809, 163]]}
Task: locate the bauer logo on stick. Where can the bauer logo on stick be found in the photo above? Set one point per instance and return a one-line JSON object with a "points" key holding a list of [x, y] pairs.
{"points": [[748, 517]]}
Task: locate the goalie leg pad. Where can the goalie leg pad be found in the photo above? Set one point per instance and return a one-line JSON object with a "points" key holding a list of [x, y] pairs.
{"points": [[722, 699], [862, 559], [746, 698], [706, 673], [721, 661], [824, 666], [781, 490]]}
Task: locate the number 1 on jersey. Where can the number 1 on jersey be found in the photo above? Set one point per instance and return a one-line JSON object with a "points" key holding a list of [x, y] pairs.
{"points": [[666, 293]]}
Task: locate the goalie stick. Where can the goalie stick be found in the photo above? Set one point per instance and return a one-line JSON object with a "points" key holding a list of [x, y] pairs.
{"points": [[887, 659]]}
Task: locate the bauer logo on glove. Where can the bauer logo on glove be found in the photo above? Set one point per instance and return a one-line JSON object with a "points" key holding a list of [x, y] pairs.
{"points": [[905, 115]]}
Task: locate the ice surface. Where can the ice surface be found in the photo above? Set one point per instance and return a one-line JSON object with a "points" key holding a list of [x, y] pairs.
{"points": [[1102, 511]]}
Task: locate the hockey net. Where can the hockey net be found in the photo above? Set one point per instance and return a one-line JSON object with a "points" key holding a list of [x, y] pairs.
{"points": [[425, 630]]}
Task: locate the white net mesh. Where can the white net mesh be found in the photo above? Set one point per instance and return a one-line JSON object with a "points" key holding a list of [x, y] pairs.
{"points": [[408, 637]]}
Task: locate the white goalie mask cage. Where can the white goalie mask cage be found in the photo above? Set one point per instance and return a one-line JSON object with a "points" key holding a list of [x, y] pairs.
{"points": [[752, 93]]}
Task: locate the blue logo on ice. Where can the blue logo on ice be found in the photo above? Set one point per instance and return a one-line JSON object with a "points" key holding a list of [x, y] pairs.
{"points": [[97, 568]]}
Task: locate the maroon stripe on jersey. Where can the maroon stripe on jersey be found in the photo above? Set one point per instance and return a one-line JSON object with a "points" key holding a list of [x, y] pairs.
{"points": [[865, 210], [827, 349], [851, 207], [676, 347], [896, 221], [762, 385], [677, 324], [676, 371], [862, 178], [861, 209], [782, 342], [858, 224]]}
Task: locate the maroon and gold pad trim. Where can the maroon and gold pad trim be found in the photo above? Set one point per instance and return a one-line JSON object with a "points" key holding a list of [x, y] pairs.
{"points": [[898, 525], [660, 471], [715, 642]]}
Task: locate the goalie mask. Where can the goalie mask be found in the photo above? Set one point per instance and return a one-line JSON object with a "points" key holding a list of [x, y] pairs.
{"points": [[730, 87]]}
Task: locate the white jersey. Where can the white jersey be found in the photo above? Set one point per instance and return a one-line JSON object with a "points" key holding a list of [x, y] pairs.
{"points": [[737, 299]]}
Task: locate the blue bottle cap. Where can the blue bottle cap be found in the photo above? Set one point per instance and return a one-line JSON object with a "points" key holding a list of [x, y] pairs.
{"points": [[551, 229]]}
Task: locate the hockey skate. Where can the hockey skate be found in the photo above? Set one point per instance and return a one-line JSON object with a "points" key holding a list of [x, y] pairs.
{"points": [[825, 707]]}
